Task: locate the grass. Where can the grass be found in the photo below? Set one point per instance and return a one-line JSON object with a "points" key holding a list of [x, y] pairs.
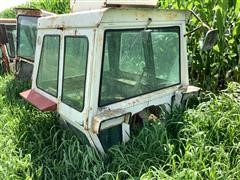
{"points": [[238, 6], [199, 143]]}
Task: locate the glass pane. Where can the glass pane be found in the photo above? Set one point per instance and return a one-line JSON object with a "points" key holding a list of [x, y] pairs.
{"points": [[74, 75], [47, 78], [132, 55], [137, 62], [11, 33], [166, 54], [27, 33]]}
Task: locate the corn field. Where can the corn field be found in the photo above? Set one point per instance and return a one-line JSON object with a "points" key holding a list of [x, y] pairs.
{"points": [[212, 69]]}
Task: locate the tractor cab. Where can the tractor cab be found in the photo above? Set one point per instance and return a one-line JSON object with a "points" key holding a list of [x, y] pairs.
{"points": [[27, 19], [109, 65], [8, 43]]}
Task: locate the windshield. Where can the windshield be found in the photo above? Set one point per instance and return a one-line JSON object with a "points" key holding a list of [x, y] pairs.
{"points": [[26, 39], [137, 62]]}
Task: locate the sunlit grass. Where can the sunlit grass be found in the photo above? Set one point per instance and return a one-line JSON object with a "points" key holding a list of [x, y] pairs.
{"points": [[200, 143], [238, 6]]}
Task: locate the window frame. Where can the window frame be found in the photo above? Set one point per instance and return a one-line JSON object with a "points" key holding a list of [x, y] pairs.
{"points": [[86, 68], [39, 63], [18, 37], [138, 29]]}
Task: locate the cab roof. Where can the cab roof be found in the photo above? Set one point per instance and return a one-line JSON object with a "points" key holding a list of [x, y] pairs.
{"points": [[93, 18]]}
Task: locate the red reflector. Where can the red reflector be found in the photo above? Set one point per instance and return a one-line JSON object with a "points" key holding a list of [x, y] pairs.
{"points": [[38, 100]]}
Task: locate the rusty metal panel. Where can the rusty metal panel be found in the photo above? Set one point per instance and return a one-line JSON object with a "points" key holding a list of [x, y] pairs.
{"points": [[3, 34], [33, 12], [28, 11], [7, 21], [39, 101]]}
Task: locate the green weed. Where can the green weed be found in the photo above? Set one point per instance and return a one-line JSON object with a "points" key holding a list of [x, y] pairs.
{"points": [[199, 143]]}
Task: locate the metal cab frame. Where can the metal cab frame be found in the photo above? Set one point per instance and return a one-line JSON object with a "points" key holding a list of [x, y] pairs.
{"points": [[93, 120]]}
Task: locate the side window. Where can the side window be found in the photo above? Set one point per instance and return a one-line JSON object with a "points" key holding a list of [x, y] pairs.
{"points": [[74, 75], [47, 78]]}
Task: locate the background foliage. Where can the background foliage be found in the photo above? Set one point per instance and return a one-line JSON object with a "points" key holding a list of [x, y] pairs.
{"points": [[210, 70], [55, 6]]}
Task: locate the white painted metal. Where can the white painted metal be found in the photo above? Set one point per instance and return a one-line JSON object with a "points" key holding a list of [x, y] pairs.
{"points": [[64, 110], [86, 5], [125, 132], [184, 61], [147, 3], [112, 16], [137, 104], [93, 24]]}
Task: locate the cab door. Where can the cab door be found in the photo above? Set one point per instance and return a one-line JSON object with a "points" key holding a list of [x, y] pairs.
{"points": [[73, 79]]}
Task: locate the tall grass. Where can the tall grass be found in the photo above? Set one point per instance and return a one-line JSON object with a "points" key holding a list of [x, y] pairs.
{"points": [[199, 143]]}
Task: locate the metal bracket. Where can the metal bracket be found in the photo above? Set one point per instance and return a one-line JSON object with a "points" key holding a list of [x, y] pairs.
{"points": [[182, 96]]}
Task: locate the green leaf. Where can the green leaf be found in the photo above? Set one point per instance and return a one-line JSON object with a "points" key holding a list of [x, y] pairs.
{"points": [[236, 30], [216, 49], [225, 4]]}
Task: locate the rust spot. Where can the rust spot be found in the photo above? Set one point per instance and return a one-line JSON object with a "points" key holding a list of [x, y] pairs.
{"points": [[5, 58], [3, 34], [6, 20], [141, 14], [33, 12], [60, 28], [28, 11], [170, 15]]}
